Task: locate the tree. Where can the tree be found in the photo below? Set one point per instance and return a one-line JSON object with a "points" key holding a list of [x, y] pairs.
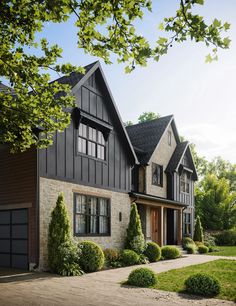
{"points": [[104, 27], [198, 231], [59, 233], [147, 116], [128, 123], [135, 239]]}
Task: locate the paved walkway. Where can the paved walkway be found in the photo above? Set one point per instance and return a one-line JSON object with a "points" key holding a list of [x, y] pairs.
{"points": [[100, 288]]}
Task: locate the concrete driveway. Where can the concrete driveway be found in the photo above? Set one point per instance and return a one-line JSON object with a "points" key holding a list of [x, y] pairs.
{"points": [[100, 288]]}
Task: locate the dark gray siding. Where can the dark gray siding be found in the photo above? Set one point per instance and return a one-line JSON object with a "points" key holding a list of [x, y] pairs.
{"points": [[61, 160]]}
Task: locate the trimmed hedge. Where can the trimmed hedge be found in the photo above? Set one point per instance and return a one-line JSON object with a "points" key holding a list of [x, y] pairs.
{"points": [[202, 284], [142, 277], [111, 254], [153, 251], [129, 258], [170, 252], [92, 257], [202, 249]]}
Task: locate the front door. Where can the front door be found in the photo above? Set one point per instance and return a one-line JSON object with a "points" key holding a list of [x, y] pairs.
{"points": [[154, 224]]}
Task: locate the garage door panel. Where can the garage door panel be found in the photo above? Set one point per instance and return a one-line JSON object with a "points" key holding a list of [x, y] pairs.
{"points": [[5, 217], [20, 261], [20, 231], [5, 260], [5, 231], [19, 246], [5, 246], [19, 216]]}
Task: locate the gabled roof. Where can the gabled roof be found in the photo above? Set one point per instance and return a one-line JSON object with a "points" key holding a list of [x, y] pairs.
{"points": [[146, 136], [76, 80], [181, 149], [5, 89]]}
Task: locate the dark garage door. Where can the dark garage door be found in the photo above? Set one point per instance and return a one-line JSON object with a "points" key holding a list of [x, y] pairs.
{"points": [[14, 238]]}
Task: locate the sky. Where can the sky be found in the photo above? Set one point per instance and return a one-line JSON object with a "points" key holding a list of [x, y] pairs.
{"points": [[202, 97]]}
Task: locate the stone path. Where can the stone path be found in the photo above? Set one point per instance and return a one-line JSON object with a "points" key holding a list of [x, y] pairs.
{"points": [[100, 288]]}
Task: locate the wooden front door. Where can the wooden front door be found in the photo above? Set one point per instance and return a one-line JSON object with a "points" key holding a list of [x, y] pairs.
{"points": [[154, 225]]}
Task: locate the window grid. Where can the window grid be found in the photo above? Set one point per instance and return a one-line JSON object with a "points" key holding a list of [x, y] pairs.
{"points": [[184, 183], [92, 216], [91, 142], [187, 224]]}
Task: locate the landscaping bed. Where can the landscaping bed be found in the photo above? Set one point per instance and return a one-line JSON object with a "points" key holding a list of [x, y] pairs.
{"points": [[224, 270]]}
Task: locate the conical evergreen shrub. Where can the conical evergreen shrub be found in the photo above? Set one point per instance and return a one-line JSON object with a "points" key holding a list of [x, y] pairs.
{"points": [[135, 239], [59, 232], [198, 230]]}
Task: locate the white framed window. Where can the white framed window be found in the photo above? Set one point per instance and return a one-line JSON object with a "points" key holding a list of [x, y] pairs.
{"points": [[169, 138], [157, 175], [184, 182]]}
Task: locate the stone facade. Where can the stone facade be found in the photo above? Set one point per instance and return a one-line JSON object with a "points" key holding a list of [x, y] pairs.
{"points": [[160, 156], [49, 190]]}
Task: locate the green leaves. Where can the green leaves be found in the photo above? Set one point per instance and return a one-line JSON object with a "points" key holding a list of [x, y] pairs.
{"points": [[104, 28]]}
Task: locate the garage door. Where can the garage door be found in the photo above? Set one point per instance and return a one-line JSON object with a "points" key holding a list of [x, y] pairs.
{"points": [[14, 238]]}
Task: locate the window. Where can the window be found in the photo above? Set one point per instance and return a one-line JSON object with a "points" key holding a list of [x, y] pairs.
{"points": [[184, 182], [169, 138], [185, 161], [92, 215], [91, 142], [187, 224], [157, 175]]}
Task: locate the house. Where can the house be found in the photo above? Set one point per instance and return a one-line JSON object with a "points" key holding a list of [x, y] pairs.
{"points": [[94, 163], [90, 162], [163, 181]]}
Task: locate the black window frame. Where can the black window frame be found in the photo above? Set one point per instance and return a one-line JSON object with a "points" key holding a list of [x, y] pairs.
{"points": [[160, 180], [187, 224], [91, 141], [87, 215]]}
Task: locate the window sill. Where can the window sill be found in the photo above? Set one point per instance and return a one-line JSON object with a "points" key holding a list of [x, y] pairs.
{"points": [[91, 157], [92, 235]]}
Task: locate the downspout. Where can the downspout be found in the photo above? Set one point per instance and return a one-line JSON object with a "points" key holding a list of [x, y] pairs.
{"points": [[37, 211]]}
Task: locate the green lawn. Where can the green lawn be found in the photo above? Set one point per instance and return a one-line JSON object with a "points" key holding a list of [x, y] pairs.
{"points": [[224, 251], [224, 270]]}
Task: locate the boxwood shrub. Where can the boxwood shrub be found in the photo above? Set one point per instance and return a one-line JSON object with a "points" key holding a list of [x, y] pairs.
{"points": [[129, 258], [111, 254], [202, 249], [92, 257], [142, 277], [191, 248], [170, 252], [202, 284], [153, 251]]}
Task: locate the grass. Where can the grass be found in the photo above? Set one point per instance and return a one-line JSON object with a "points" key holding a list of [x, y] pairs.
{"points": [[224, 251], [224, 270]]}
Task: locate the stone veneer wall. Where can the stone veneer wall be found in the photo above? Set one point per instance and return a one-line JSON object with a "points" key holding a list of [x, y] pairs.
{"points": [[49, 190]]}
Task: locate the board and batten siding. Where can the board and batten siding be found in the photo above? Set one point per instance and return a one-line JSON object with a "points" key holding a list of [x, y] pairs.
{"points": [[61, 160]]}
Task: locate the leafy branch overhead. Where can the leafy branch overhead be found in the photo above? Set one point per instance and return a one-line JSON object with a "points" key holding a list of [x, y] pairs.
{"points": [[103, 28]]}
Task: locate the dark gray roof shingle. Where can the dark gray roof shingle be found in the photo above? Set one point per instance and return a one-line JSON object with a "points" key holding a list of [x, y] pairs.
{"points": [[146, 136], [176, 156]]}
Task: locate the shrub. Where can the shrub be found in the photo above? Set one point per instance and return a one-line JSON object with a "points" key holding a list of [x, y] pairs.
{"points": [[191, 248], [203, 249], [198, 230], [198, 243], [135, 239], [92, 257], [129, 258], [143, 259], [142, 277], [227, 237], [153, 251], [186, 241], [111, 254], [170, 252], [202, 284], [59, 233], [209, 240], [69, 258]]}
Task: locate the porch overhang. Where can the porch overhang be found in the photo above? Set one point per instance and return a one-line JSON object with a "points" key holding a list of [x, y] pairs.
{"points": [[152, 200]]}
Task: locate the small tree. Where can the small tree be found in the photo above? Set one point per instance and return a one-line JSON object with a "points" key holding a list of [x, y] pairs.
{"points": [[198, 231], [59, 232], [135, 239]]}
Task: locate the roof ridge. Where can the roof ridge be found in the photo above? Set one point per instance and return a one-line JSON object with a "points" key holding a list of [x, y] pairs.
{"points": [[149, 121]]}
